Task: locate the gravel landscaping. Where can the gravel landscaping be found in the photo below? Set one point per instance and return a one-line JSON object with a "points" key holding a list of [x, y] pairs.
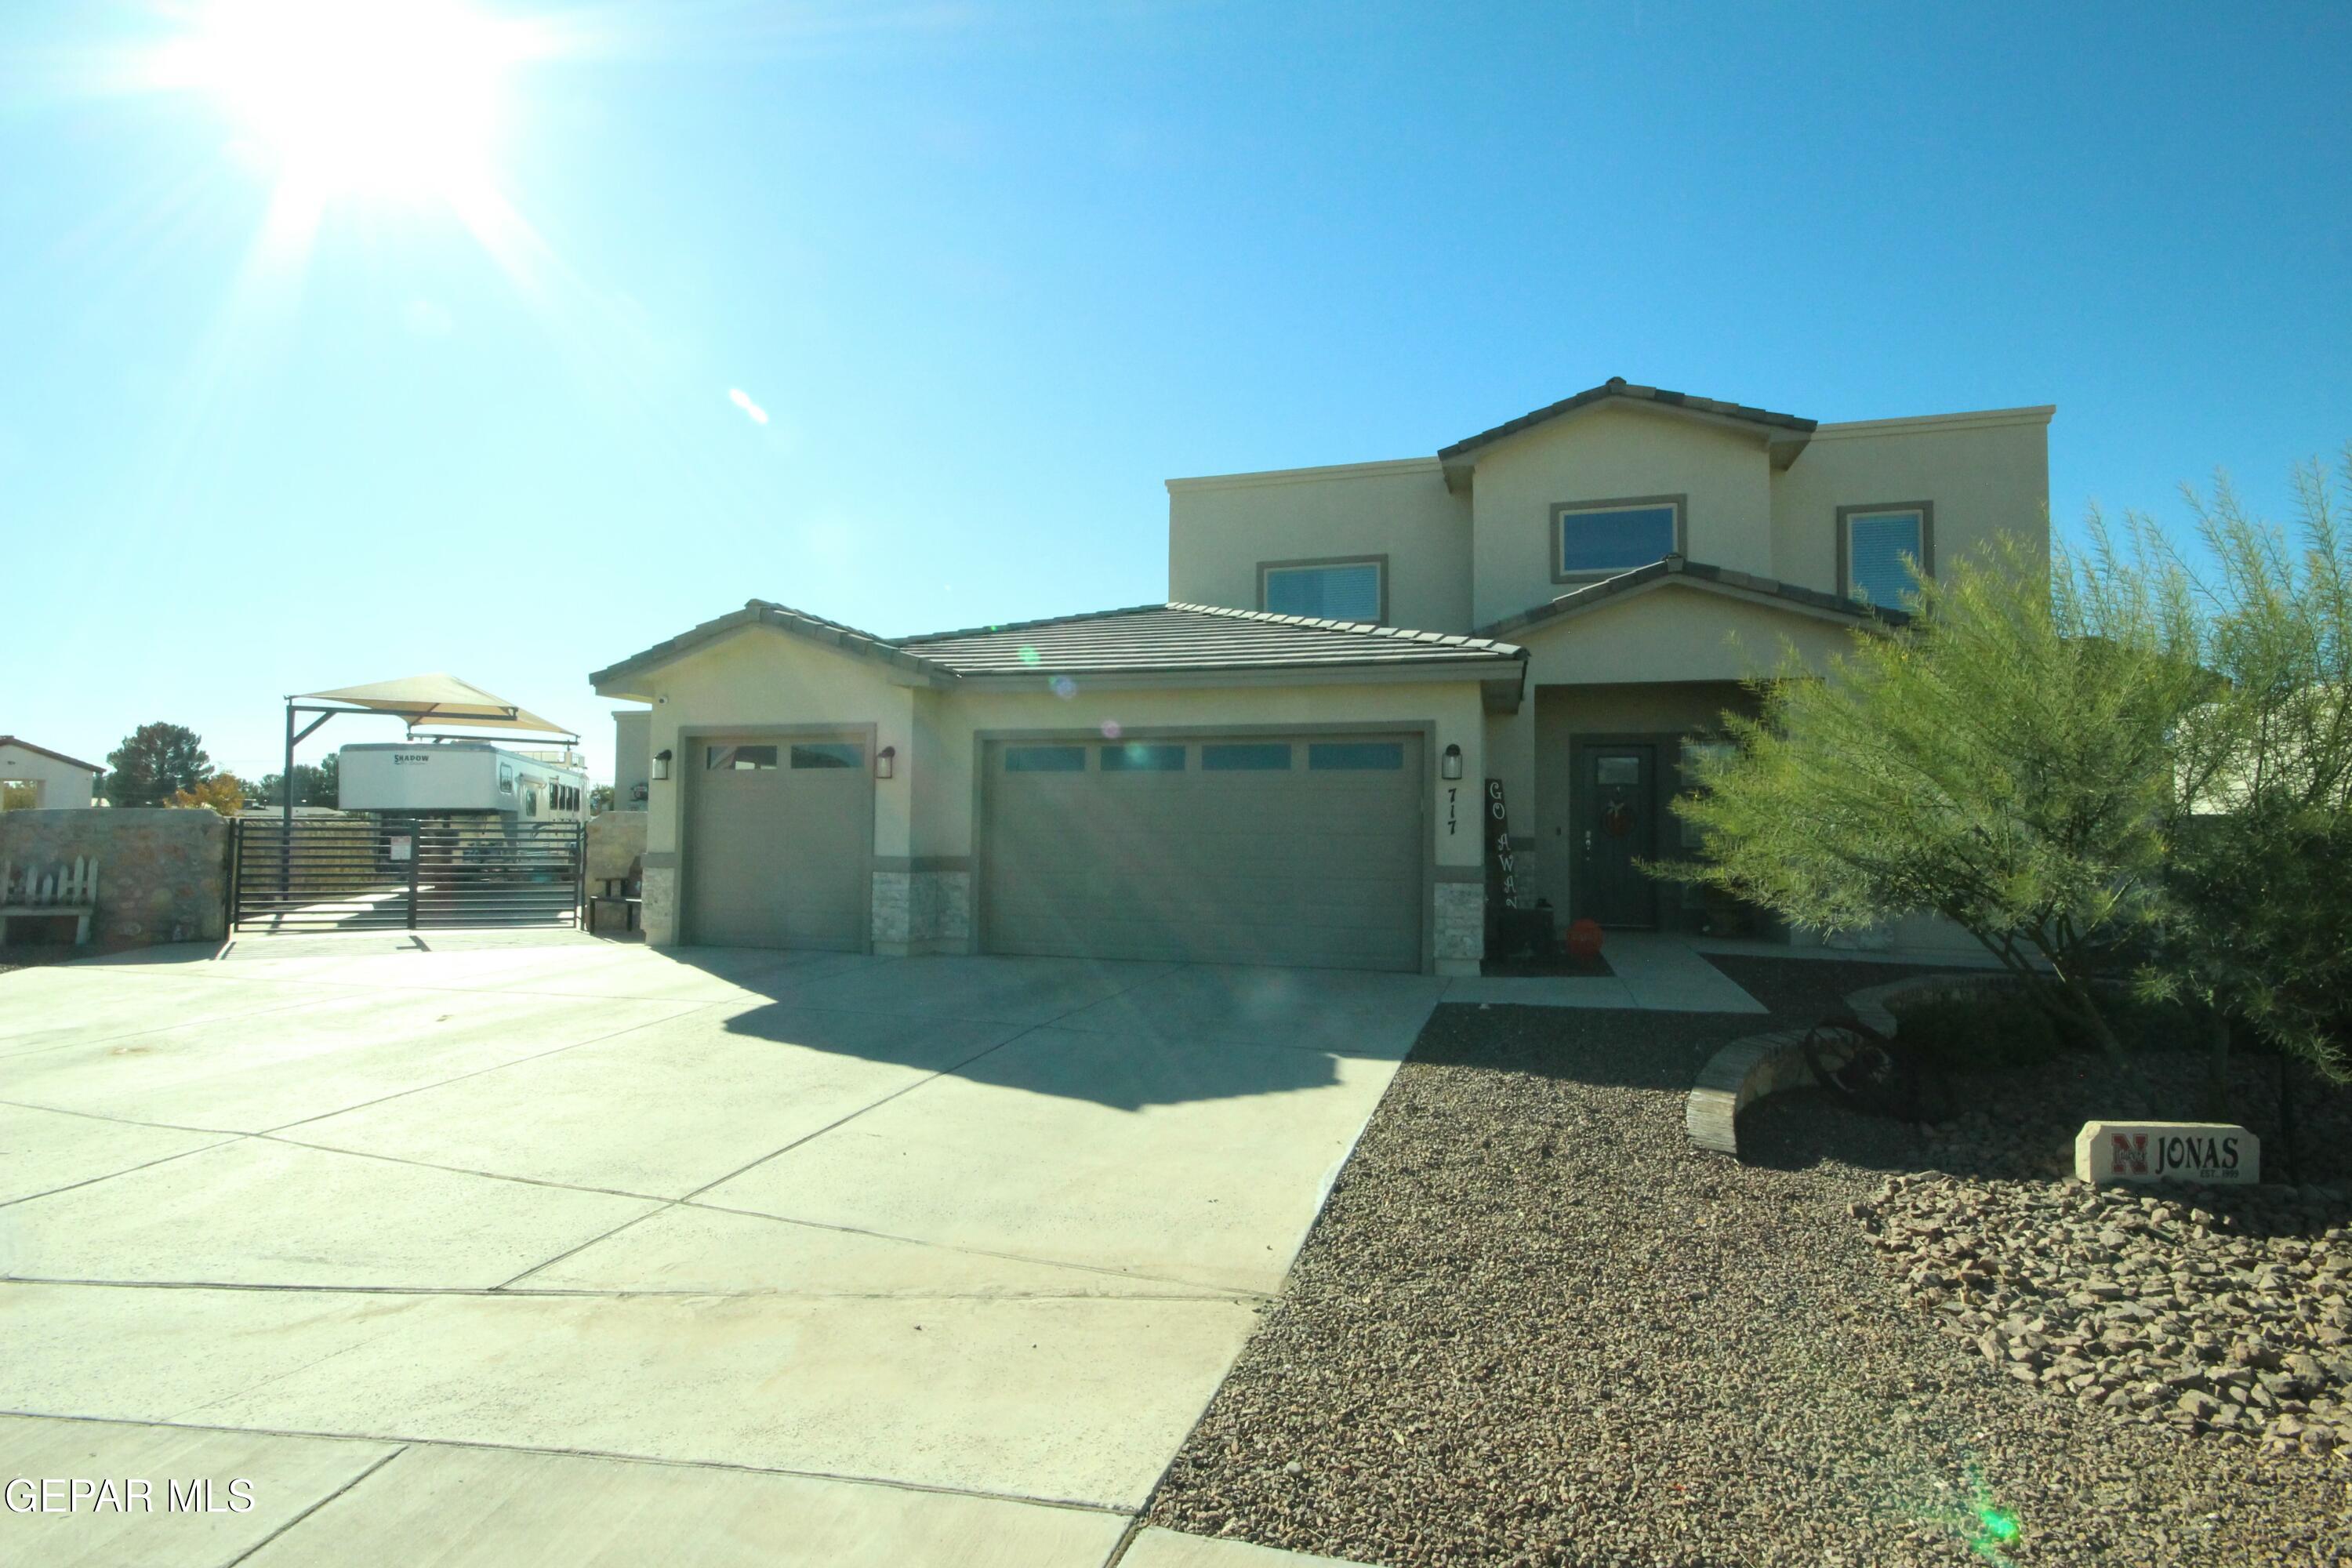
{"points": [[2230, 1320], [1534, 1325]]}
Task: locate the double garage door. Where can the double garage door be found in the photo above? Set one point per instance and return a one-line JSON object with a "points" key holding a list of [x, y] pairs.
{"points": [[1302, 850]]}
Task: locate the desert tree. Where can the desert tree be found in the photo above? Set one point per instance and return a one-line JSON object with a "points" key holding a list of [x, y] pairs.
{"points": [[155, 762], [2000, 754], [2257, 927]]}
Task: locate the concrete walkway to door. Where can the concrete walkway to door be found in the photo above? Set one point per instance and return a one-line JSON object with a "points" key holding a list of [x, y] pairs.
{"points": [[515, 1249], [1649, 970]]}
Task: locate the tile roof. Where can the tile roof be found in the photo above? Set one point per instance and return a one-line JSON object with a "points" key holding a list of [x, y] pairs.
{"points": [[1700, 573], [783, 617], [1141, 639], [1617, 386], [1176, 637]]}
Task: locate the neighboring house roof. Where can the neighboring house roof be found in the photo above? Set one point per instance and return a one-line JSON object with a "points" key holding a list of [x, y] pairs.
{"points": [[1698, 575], [19, 740], [1149, 638], [1618, 387]]}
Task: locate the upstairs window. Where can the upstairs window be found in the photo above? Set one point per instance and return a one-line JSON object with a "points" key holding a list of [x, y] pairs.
{"points": [[1878, 548], [1602, 538], [1326, 590]]}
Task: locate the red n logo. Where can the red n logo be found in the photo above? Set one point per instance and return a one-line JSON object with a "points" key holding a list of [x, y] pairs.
{"points": [[2131, 1153]]}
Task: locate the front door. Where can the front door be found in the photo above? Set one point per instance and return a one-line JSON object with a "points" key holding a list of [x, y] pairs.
{"points": [[1616, 826]]}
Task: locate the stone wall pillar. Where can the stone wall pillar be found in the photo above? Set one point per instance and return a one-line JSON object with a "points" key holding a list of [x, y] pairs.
{"points": [[922, 905], [660, 891], [1461, 926]]}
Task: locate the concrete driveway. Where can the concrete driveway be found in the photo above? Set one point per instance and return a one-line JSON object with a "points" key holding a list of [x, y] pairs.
{"points": [[551, 1249]]}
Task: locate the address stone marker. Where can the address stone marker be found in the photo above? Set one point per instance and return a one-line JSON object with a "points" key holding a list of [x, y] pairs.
{"points": [[2212, 1152]]}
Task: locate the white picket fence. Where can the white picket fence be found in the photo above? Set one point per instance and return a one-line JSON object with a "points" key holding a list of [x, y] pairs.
{"points": [[65, 891]]}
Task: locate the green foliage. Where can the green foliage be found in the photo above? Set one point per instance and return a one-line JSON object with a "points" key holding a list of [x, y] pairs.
{"points": [[600, 800], [1977, 1029], [319, 785], [155, 762], [2119, 765], [2001, 758], [2259, 926]]}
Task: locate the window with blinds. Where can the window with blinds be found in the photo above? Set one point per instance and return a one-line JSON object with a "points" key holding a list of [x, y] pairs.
{"points": [[1882, 549]]}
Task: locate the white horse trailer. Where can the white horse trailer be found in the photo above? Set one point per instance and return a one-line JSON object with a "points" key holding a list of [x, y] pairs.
{"points": [[437, 778]]}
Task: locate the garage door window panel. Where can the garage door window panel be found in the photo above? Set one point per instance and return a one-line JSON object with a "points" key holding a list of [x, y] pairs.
{"points": [[1246, 759], [828, 754], [1136, 757], [739, 759], [1356, 757], [1044, 759]]}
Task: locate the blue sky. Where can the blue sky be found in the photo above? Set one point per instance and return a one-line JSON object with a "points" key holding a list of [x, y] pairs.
{"points": [[993, 272]]}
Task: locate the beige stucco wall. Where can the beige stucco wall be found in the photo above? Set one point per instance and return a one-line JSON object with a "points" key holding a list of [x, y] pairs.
{"points": [[1671, 631], [57, 786], [1610, 453], [1459, 561], [632, 757], [1984, 473], [1219, 530]]}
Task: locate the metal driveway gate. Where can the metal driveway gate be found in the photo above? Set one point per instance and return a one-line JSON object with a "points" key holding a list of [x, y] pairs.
{"points": [[385, 873]]}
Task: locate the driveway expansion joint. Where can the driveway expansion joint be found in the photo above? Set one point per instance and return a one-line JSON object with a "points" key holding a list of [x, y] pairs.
{"points": [[1077, 1505], [315, 1507]]}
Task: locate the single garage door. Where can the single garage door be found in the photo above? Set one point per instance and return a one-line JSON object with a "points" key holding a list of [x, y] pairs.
{"points": [[1303, 850], [776, 835]]}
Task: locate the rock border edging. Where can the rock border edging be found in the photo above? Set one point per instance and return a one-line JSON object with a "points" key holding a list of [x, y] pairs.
{"points": [[1754, 1065]]}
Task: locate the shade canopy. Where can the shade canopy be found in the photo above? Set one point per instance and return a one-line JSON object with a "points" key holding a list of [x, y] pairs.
{"points": [[440, 700]]}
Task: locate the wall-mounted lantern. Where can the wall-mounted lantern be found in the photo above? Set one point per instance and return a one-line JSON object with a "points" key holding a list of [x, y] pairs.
{"points": [[661, 764], [886, 762], [1450, 765]]}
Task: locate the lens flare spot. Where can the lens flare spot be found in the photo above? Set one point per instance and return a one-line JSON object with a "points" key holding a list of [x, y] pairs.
{"points": [[1110, 731], [742, 400], [1065, 687], [1998, 1523], [1028, 656]]}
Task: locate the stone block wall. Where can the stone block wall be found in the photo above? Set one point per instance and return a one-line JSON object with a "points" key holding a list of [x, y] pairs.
{"points": [[925, 910], [660, 891], [1460, 927], [163, 874], [616, 839]]}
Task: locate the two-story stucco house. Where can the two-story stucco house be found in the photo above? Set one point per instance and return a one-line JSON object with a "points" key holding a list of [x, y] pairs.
{"points": [[1286, 762]]}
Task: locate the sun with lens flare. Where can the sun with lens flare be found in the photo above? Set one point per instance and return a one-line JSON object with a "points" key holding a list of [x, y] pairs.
{"points": [[377, 96]]}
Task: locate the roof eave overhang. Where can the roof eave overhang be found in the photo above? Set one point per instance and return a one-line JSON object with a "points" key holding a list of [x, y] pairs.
{"points": [[23, 744], [1763, 592], [1509, 669], [628, 678], [1783, 443]]}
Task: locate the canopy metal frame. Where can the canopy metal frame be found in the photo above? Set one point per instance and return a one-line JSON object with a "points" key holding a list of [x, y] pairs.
{"points": [[498, 713]]}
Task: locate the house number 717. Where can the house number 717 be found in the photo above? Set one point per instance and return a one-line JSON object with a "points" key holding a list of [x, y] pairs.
{"points": [[1449, 810]]}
